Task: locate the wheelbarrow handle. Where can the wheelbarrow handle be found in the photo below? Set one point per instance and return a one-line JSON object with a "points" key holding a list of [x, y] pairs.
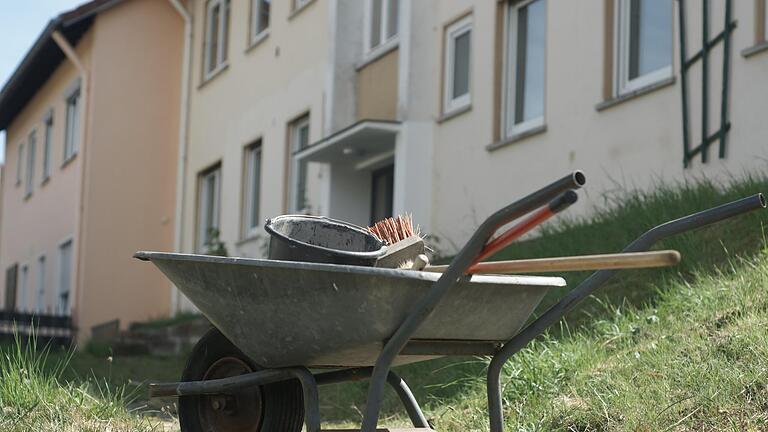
{"points": [[458, 267], [595, 281]]}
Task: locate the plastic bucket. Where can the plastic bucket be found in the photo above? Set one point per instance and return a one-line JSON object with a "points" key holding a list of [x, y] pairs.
{"points": [[323, 240]]}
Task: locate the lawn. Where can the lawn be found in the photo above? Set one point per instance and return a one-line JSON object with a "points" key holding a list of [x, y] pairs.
{"points": [[678, 349]]}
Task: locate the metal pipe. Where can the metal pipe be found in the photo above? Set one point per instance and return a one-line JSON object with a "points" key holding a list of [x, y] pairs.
{"points": [[85, 87], [593, 282], [181, 165], [457, 269], [684, 83], [221, 385]]}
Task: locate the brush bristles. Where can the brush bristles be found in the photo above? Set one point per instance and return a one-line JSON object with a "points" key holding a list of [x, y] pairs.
{"points": [[394, 229]]}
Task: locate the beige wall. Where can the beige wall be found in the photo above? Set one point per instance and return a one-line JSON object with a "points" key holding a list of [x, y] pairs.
{"points": [[131, 165], [377, 88], [263, 88], [38, 225], [635, 143]]}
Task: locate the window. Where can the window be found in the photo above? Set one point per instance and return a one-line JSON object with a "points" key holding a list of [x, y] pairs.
{"points": [[259, 19], [40, 303], [299, 140], [65, 277], [11, 279], [251, 189], [525, 73], [380, 22], [19, 164], [216, 36], [30, 178], [644, 48], [458, 38], [47, 146], [23, 287], [208, 208], [72, 132]]}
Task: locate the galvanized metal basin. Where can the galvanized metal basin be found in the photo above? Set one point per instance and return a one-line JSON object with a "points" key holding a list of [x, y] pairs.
{"points": [[285, 313]]}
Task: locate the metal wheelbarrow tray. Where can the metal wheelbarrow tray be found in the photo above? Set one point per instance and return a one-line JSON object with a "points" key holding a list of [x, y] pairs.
{"points": [[281, 318], [284, 313]]}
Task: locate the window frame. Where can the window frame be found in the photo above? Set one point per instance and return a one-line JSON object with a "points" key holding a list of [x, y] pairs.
{"points": [[64, 309], [256, 35], [386, 42], [294, 126], [222, 38], [47, 145], [251, 179], [622, 29], [72, 124], [201, 228], [452, 32], [509, 74], [29, 182]]}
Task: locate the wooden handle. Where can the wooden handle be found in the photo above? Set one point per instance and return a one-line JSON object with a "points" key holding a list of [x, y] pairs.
{"points": [[664, 258]]}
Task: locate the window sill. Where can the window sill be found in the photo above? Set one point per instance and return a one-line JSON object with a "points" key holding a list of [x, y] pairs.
{"points": [[258, 40], [516, 137], [454, 113], [755, 49], [68, 161], [213, 74], [300, 9], [378, 52], [635, 93]]}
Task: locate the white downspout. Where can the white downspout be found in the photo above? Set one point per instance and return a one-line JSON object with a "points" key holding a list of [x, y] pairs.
{"points": [[181, 168], [69, 51]]}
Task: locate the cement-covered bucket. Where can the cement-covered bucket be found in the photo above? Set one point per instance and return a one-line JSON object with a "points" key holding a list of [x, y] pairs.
{"points": [[322, 240]]}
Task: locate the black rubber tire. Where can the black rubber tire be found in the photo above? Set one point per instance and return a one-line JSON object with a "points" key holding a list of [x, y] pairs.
{"points": [[282, 403]]}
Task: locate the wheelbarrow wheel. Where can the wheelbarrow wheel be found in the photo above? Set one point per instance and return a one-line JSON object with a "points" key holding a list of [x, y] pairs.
{"points": [[277, 407]]}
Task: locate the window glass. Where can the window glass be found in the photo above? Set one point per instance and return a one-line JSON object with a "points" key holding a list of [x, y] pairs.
{"points": [[19, 164], [650, 36], [299, 141], [72, 134], [47, 147], [259, 17], [30, 180], [40, 303], [208, 210], [530, 62], [65, 276], [23, 288], [382, 22], [461, 64], [252, 187], [644, 43]]}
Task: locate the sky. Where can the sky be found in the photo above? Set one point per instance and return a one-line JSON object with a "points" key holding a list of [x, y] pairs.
{"points": [[20, 24]]}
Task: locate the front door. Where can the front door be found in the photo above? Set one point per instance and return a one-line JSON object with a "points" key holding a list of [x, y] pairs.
{"points": [[10, 287], [382, 192]]}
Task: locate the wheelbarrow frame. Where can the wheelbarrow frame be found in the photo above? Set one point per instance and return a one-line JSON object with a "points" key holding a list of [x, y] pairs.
{"points": [[381, 374]]}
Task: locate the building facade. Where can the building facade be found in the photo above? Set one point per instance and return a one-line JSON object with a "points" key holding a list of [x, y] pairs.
{"points": [[450, 110], [91, 116]]}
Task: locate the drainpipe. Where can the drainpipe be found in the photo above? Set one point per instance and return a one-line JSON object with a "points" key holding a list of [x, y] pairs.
{"points": [[69, 51], [181, 168]]}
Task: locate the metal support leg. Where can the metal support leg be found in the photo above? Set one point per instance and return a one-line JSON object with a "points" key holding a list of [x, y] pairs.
{"points": [[395, 381], [593, 282], [408, 400], [311, 398]]}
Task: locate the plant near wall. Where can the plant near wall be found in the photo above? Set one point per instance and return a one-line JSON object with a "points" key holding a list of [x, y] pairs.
{"points": [[214, 245]]}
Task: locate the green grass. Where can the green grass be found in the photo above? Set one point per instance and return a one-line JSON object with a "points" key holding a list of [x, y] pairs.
{"points": [[679, 349], [36, 396]]}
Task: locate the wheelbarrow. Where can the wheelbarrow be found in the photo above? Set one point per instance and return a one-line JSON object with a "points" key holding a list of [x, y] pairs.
{"points": [[278, 325]]}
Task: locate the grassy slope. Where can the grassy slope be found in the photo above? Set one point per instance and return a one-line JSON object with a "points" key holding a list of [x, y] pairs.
{"points": [[444, 384]]}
